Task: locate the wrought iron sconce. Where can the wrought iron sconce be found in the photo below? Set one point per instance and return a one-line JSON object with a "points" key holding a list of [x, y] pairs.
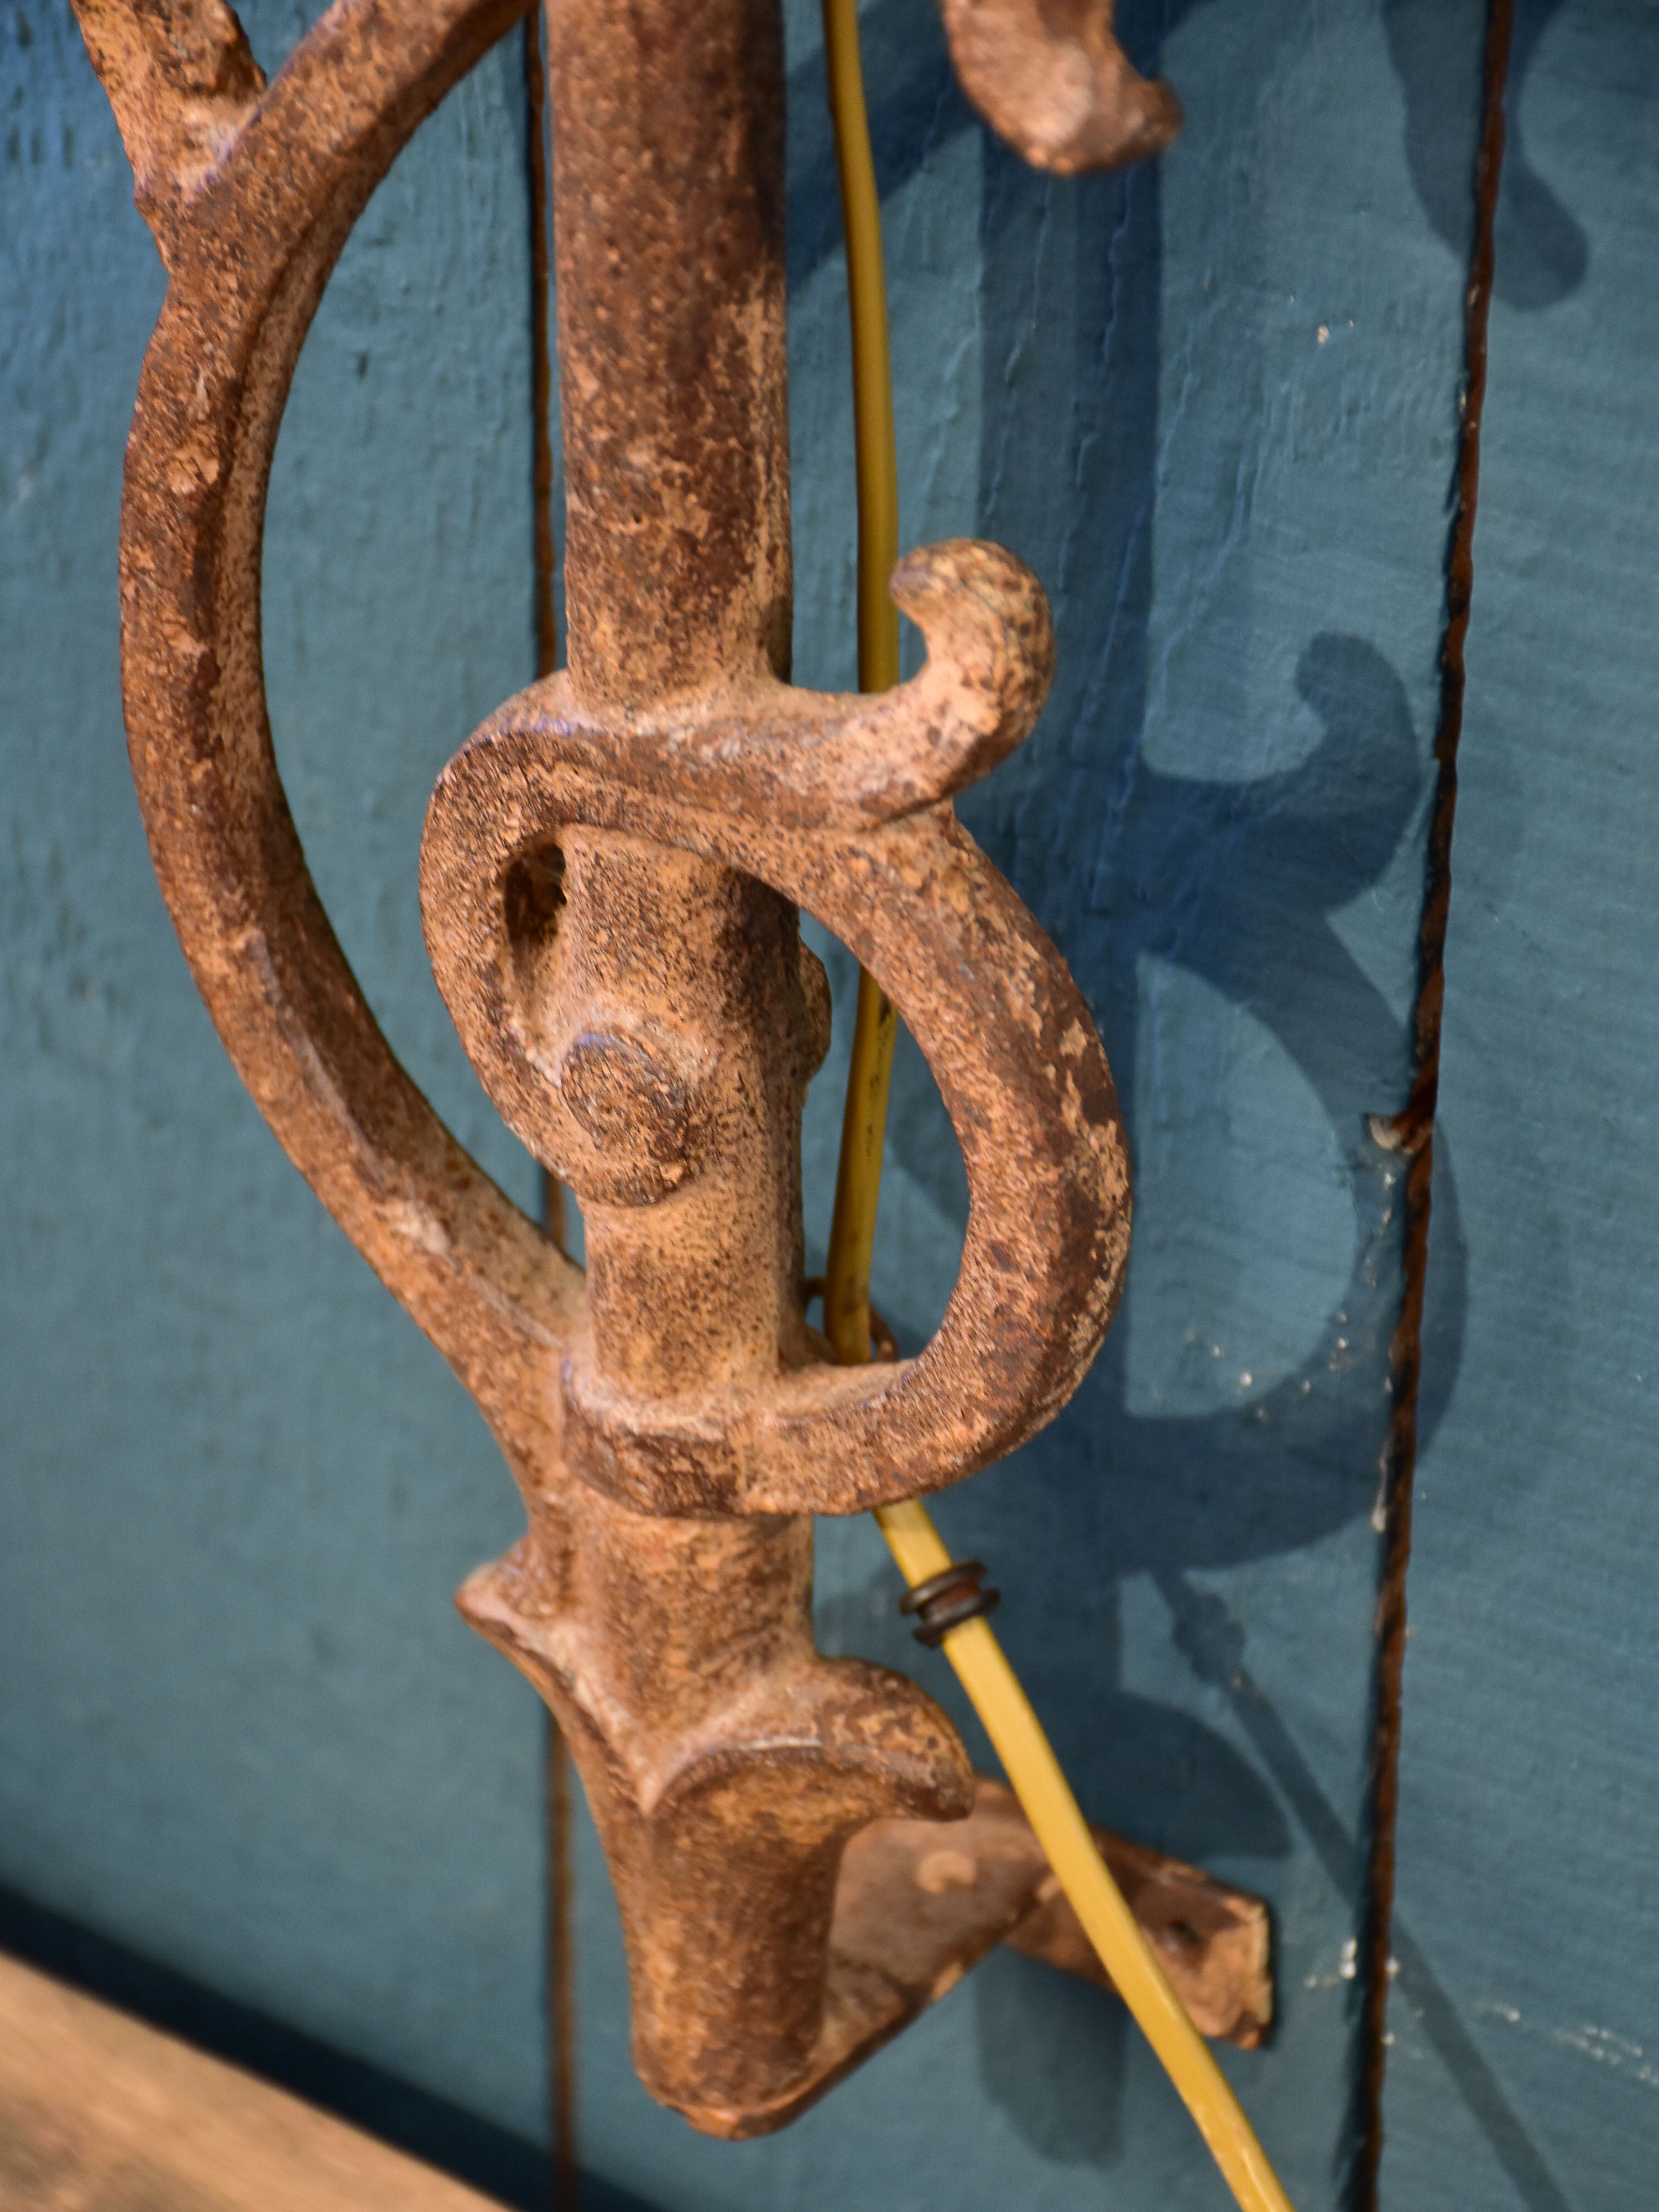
{"points": [[610, 876]]}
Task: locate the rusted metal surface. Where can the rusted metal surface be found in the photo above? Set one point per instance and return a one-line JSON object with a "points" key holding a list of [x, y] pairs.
{"points": [[1212, 1939], [610, 879], [1050, 77], [606, 1024], [919, 1903]]}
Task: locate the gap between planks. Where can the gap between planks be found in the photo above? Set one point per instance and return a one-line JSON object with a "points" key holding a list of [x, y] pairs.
{"points": [[1412, 1134]]}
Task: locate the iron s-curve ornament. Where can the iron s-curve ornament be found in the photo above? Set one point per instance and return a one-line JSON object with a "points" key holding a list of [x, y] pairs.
{"points": [[610, 879]]}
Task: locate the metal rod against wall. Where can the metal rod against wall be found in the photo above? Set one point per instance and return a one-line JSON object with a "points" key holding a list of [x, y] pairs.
{"points": [[668, 238]]}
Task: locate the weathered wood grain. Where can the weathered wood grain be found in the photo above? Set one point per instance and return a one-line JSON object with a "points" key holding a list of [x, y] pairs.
{"points": [[100, 2113]]}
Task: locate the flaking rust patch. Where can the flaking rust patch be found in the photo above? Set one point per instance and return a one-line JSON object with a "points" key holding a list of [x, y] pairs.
{"points": [[419, 1226]]}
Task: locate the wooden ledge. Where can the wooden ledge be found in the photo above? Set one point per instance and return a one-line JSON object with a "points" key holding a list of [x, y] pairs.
{"points": [[97, 2110]]}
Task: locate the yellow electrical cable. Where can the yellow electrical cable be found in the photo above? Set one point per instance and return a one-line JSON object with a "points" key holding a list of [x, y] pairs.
{"points": [[1034, 1773], [1015, 1732], [875, 1028]]}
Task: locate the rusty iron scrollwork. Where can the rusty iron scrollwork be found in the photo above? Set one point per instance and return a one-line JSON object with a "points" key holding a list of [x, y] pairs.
{"points": [[610, 878]]}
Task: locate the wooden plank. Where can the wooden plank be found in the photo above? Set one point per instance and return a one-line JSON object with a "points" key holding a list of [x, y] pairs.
{"points": [[96, 2109]]}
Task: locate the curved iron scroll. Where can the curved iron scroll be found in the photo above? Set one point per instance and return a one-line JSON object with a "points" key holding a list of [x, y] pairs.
{"points": [[609, 882]]}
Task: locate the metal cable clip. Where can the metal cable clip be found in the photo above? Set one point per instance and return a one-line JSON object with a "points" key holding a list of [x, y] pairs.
{"points": [[946, 1599]]}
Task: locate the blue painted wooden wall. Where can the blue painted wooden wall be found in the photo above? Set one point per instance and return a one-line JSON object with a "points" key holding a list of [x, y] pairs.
{"points": [[1215, 403]]}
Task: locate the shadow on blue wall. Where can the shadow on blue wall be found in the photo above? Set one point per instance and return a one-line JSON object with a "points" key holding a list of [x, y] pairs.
{"points": [[1542, 252], [1234, 881]]}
